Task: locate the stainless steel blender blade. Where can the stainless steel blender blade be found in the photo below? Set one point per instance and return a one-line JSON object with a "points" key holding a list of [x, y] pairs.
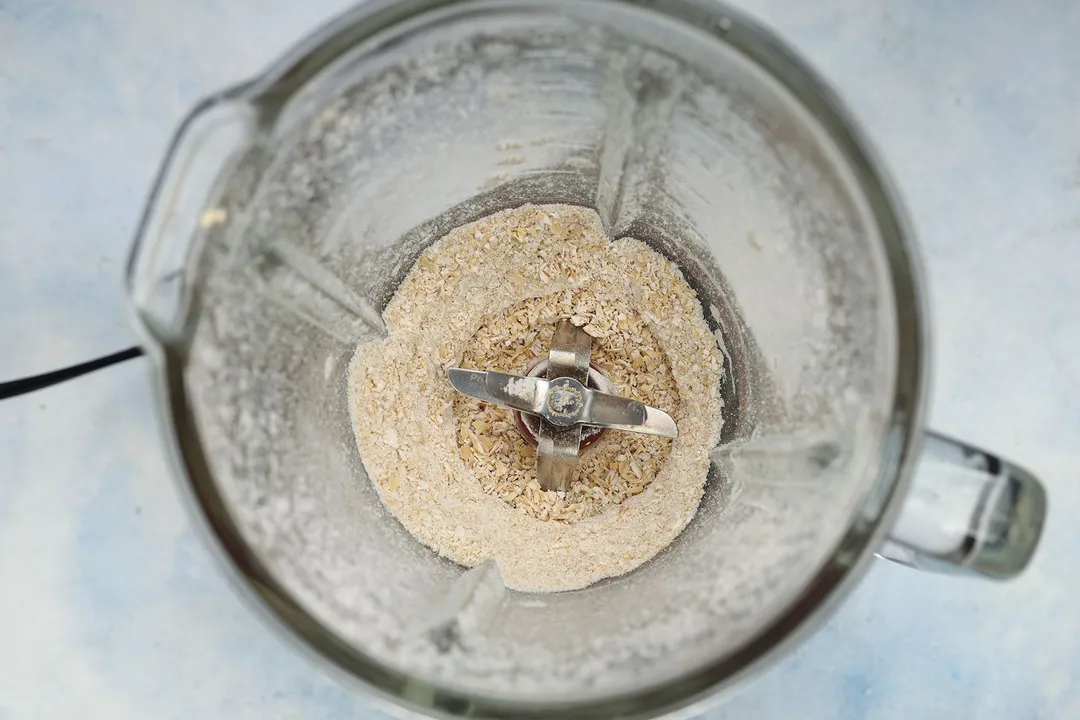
{"points": [[564, 403]]}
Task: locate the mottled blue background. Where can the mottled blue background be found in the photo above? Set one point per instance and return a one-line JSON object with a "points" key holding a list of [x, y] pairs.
{"points": [[110, 608]]}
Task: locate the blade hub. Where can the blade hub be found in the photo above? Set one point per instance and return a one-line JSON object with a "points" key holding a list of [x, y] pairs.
{"points": [[529, 425], [565, 402]]}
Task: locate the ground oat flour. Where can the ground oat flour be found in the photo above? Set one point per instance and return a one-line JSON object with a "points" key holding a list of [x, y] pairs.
{"points": [[456, 472]]}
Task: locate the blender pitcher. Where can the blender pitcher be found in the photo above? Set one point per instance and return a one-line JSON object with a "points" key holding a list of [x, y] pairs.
{"points": [[291, 207]]}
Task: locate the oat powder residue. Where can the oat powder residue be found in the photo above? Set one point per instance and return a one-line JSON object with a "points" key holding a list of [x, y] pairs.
{"points": [[457, 473]]}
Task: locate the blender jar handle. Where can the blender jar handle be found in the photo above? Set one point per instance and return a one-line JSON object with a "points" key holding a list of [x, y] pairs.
{"points": [[968, 511], [178, 213]]}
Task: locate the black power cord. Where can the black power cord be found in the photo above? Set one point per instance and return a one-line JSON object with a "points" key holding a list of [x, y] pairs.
{"points": [[29, 384]]}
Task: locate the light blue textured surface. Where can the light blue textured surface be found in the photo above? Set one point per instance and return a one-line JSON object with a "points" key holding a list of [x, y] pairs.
{"points": [[110, 608]]}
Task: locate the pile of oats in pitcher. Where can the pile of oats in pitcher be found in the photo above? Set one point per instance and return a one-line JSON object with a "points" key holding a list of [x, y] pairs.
{"points": [[457, 473]]}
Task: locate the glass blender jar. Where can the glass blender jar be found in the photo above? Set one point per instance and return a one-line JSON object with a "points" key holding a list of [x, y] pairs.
{"points": [[291, 207]]}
